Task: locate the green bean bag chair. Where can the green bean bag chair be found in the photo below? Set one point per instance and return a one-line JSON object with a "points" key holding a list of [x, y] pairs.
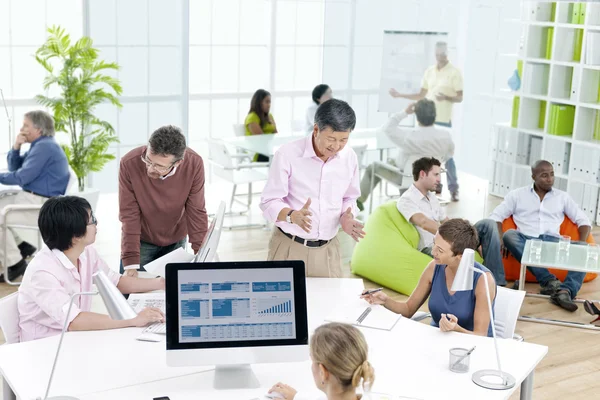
{"points": [[388, 254]]}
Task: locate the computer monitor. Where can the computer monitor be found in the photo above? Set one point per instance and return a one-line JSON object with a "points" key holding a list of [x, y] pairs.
{"points": [[208, 251], [233, 314]]}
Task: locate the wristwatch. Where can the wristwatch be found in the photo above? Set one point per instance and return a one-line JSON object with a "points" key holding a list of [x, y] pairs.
{"points": [[288, 217]]}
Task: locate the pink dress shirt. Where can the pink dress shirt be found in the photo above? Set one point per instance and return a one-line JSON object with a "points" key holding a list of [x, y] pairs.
{"points": [[297, 173], [48, 283]]}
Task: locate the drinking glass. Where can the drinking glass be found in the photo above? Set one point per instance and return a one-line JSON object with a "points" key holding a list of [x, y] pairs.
{"points": [[593, 250], [535, 250]]}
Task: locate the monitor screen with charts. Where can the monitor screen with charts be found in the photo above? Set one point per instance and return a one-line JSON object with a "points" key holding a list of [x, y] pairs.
{"points": [[236, 304]]}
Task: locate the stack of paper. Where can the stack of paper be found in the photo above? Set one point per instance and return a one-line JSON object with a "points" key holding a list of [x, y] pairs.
{"points": [[139, 301], [157, 267]]}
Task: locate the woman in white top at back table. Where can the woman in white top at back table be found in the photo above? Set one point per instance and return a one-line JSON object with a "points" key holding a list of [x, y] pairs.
{"points": [[339, 355], [320, 94]]}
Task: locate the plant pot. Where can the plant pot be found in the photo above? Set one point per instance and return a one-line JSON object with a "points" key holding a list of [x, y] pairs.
{"points": [[90, 194]]}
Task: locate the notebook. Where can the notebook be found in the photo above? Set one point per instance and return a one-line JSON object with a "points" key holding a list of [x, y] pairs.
{"points": [[365, 315]]}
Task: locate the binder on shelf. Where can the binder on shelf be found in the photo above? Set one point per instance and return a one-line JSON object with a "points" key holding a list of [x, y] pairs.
{"points": [[577, 45], [520, 68], [592, 54], [515, 111], [582, 12], [553, 12], [542, 117], [549, 38], [597, 125], [575, 10], [576, 192], [575, 84], [562, 120]]}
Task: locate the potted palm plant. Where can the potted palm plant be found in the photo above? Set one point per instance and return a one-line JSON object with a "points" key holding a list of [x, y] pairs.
{"points": [[80, 76]]}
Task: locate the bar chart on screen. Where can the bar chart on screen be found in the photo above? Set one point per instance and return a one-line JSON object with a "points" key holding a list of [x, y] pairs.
{"points": [[271, 307]]}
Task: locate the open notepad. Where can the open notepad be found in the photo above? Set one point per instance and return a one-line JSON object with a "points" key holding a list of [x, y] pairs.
{"points": [[368, 316]]}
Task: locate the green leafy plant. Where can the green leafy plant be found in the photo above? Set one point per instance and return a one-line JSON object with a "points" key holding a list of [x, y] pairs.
{"points": [[83, 84]]}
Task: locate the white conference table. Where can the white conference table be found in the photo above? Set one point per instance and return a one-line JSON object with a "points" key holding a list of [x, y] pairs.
{"points": [[411, 360], [374, 139]]}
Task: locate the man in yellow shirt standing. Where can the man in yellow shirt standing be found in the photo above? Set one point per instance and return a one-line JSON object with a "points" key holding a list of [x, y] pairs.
{"points": [[442, 83]]}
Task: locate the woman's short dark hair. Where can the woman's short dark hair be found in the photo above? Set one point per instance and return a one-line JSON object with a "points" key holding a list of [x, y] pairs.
{"points": [[460, 234], [335, 114], [319, 91], [425, 112], [167, 141], [424, 164], [62, 219], [256, 106]]}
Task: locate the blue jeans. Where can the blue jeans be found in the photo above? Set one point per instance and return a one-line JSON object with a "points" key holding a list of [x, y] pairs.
{"points": [[489, 239], [451, 175], [150, 252], [514, 241]]}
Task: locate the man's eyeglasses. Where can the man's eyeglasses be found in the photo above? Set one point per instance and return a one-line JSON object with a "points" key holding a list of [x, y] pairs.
{"points": [[157, 167], [93, 220]]}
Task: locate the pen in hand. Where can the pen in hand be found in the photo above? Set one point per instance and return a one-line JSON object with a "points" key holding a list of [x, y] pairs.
{"points": [[371, 291]]}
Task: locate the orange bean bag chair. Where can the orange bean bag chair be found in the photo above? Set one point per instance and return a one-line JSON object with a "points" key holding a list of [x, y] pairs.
{"points": [[512, 266]]}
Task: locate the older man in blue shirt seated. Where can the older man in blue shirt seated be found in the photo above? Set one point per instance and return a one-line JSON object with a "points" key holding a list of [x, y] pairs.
{"points": [[42, 172]]}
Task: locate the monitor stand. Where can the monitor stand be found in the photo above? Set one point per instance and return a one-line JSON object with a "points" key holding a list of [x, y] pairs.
{"points": [[235, 377]]}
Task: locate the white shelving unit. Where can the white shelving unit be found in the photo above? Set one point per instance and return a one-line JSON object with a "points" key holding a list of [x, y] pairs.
{"points": [[554, 74]]}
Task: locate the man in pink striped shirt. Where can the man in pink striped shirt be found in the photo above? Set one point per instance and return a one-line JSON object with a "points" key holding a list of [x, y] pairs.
{"points": [[312, 189]]}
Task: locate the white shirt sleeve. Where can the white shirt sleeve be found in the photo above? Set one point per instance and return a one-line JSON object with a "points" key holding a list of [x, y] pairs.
{"points": [[407, 207], [393, 131], [506, 208], [575, 213]]}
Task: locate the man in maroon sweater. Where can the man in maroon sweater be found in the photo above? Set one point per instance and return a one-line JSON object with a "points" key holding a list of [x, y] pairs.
{"points": [[161, 199]]}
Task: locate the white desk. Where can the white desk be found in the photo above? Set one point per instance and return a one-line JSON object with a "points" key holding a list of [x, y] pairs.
{"points": [[411, 360], [268, 144]]}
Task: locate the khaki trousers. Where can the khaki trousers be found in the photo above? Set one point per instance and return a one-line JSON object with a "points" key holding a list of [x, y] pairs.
{"points": [[324, 261], [16, 218]]}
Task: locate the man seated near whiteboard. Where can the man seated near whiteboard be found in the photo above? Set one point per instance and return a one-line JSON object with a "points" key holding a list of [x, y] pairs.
{"points": [[538, 211], [420, 206], [423, 141], [443, 83]]}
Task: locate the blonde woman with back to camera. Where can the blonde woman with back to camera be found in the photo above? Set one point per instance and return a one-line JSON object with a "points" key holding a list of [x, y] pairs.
{"points": [[339, 364]]}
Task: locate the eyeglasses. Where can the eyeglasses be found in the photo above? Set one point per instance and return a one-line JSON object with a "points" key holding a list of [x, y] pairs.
{"points": [[93, 220], [157, 167]]}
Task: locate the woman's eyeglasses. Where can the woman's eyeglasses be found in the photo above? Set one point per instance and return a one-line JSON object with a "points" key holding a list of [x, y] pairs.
{"points": [[157, 167]]}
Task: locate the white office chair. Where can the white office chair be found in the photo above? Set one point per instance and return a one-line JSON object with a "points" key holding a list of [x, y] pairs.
{"points": [[227, 166], [9, 324], [239, 130], [12, 212], [361, 152], [9, 318], [506, 310], [404, 184]]}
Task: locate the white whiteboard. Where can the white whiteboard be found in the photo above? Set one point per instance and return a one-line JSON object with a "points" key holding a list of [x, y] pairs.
{"points": [[406, 56]]}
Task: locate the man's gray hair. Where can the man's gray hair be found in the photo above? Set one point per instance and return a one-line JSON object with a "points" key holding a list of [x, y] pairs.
{"points": [[42, 120], [335, 114], [425, 112], [166, 141]]}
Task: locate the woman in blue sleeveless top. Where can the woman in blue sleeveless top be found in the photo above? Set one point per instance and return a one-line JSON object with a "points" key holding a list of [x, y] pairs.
{"points": [[465, 311]]}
